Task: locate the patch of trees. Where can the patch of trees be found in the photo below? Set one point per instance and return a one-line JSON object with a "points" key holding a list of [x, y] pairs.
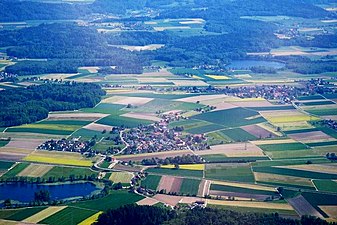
{"points": [[331, 156], [15, 10], [151, 215], [28, 105], [139, 38], [42, 196], [66, 47], [266, 8], [184, 159], [320, 41], [263, 69], [136, 215], [313, 67]]}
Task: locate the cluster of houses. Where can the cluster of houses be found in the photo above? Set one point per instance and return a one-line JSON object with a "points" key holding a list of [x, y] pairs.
{"points": [[159, 137], [282, 94], [330, 123], [73, 145], [8, 77]]}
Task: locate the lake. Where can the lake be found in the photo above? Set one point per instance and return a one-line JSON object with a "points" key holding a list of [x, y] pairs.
{"points": [[246, 64], [25, 192]]}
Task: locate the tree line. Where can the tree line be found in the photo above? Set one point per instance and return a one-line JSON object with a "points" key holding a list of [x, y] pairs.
{"points": [[153, 215]]}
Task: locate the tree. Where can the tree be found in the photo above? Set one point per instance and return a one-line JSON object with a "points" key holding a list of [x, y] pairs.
{"points": [[118, 186], [42, 196], [7, 203]]}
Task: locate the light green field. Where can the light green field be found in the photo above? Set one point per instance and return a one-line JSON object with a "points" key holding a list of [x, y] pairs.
{"points": [[122, 177], [74, 159]]}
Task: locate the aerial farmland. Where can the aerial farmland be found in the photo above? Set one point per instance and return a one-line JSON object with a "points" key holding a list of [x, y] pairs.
{"points": [[167, 105]]}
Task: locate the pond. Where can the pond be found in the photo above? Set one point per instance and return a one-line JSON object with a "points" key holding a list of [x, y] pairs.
{"points": [[246, 64], [25, 192]]}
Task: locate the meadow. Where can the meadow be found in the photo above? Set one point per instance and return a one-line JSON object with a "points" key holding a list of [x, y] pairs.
{"points": [[189, 186], [283, 147], [112, 201], [68, 216], [326, 185], [20, 214], [238, 135], [120, 121], [294, 172], [176, 172], [231, 117], [230, 172], [122, 177], [15, 170], [151, 182], [242, 190], [60, 171]]}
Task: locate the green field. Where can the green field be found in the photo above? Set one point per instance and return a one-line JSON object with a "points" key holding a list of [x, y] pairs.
{"points": [[230, 172], [217, 138], [295, 173], [159, 96], [121, 177], [63, 127], [285, 213], [39, 131], [65, 172], [14, 171], [326, 185], [318, 103], [122, 121], [300, 131], [222, 158], [4, 165], [20, 214], [112, 201], [106, 108], [231, 117], [86, 134], [204, 129], [238, 134], [165, 105], [190, 186], [317, 199], [324, 143], [176, 172], [151, 182], [323, 112], [283, 147], [69, 216], [66, 122], [271, 108], [3, 143], [310, 97], [219, 187]]}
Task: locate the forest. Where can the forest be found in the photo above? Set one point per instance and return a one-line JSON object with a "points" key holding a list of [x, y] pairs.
{"points": [[31, 104], [152, 215], [64, 51]]}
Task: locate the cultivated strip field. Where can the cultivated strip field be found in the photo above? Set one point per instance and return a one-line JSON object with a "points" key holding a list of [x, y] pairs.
{"points": [[249, 204], [44, 214], [161, 155], [303, 207], [170, 184], [147, 201], [234, 150], [35, 170]]}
